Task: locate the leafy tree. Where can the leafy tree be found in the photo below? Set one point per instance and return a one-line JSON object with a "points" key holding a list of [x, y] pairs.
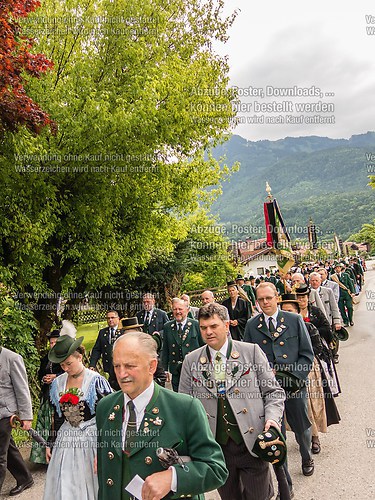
{"points": [[200, 260], [366, 235], [367, 232], [138, 94], [16, 61], [17, 329]]}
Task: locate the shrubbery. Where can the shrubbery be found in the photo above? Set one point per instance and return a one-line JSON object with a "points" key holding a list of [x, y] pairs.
{"points": [[18, 329]]}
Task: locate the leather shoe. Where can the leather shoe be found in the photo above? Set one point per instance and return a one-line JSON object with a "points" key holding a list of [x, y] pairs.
{"points": [[351, 323], [315, 447], [308, 467], [20, 488]]}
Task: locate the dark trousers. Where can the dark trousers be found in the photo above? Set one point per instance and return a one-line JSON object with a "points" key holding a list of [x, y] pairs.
{"points": [[249, 477], [175, 382], [10, 457], [298, 419], [346, 301]]}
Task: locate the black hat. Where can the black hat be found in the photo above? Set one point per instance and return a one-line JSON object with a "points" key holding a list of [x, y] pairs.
{"points": [[251, 277], [232, 283], [289, 298], [342, 334], [64, 347], [130, 323], [303, 289], [239, 277], [271, 446], [289, 382], [54, 334]]}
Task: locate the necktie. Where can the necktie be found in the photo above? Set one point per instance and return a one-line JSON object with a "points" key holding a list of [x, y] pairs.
{"points": [[271, 326], [219, 367], [131, 428], [179, 329], [111, 335], [147, 318]]}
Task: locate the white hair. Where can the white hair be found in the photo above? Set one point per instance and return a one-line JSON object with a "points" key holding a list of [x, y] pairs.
{"points": [[147, 344]]}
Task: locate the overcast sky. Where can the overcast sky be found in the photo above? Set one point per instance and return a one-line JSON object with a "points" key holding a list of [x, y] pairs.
{"points": [[322, 45]]}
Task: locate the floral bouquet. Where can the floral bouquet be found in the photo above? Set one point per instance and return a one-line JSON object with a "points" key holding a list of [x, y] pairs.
{"points": [[72, 396], [71, 406]]}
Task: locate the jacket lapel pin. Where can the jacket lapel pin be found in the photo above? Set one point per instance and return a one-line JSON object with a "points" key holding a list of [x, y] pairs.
{"points": [[235, 369], [112, 416]]}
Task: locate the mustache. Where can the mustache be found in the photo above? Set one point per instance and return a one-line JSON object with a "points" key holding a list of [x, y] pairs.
{"points": [[126, 379]]}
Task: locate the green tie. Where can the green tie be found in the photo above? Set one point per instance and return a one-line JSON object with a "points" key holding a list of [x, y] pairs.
{"points": [[131, 428], [271, 326], [219, 367]]}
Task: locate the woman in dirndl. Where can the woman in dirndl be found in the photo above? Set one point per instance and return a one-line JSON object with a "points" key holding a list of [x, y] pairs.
{"points": [[330, 383], [74, 396]]}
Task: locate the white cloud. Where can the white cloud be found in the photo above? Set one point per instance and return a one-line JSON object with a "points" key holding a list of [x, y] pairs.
{"points": [[293, 43]]}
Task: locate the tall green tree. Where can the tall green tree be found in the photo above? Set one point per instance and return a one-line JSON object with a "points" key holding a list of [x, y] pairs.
{"points": [[138, 94], [366, 235]]}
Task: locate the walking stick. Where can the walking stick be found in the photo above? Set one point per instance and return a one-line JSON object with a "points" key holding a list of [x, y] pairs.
{"points": [[16, 422]]}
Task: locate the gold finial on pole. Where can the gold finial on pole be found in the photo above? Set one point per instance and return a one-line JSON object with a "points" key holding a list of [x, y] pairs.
{"points": [[268, 189]]}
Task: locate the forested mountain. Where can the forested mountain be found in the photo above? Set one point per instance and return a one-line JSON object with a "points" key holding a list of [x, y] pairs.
{"points": [[317, 177]]}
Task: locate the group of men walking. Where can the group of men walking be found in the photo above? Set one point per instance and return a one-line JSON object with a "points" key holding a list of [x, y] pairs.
{"points": [[248, 386]]}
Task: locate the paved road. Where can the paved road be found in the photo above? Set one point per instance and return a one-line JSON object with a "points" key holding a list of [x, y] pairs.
{"points": [[345, 468]]}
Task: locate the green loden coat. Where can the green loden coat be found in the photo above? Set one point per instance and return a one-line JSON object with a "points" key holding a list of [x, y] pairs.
{"points": [[192, 340], [174, 421]]}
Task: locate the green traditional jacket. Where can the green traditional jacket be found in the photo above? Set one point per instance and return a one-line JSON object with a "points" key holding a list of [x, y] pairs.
{"points": [[346, 280], [250, 293], [171, 420], [175, 347]]}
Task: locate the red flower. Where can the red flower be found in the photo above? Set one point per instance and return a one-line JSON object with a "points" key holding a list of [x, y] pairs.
{"points": [[69, 398], [306, 320]]}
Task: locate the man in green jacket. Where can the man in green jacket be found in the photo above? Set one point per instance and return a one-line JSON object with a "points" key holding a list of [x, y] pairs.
{"points": [[181, 336], [346, 291], [134, 423]]}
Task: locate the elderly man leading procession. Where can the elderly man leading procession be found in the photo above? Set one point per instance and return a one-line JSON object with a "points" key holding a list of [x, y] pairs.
{"points": [[242, 373]]}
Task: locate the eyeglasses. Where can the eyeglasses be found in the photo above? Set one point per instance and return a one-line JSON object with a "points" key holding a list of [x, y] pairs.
{"points": [[266, 299]]}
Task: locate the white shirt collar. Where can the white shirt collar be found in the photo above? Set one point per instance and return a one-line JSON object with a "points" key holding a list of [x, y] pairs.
{"points": [[142, 400], [223, 351], [274, 317], [183, 323]]}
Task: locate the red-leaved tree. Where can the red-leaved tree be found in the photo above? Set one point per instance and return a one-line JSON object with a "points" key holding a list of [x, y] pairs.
{"points": [[16, 62]]}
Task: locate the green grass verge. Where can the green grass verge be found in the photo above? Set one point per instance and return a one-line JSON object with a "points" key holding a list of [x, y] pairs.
{"points": [[90, 332]]}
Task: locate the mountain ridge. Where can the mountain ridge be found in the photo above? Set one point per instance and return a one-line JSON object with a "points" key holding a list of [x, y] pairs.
{"points": [[310, 176]]}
